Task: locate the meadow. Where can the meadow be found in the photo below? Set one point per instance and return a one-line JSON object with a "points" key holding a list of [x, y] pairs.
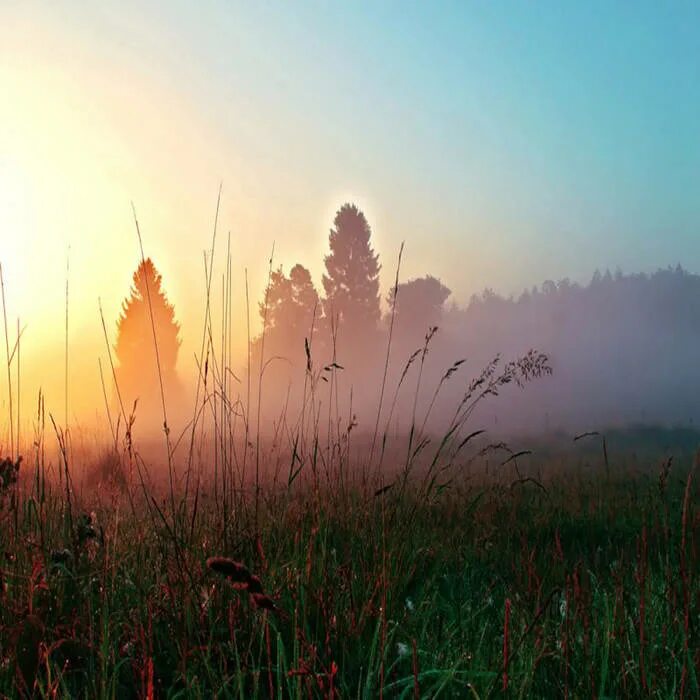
{"points": [[398, 394], [568, 575], [307, 555]]}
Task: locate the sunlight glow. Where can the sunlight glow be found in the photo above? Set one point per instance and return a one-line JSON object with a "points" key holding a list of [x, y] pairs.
{"points": [[16, 216]]}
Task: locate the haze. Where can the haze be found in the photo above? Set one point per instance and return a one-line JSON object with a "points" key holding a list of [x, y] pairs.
{"points": [[505, 144]]}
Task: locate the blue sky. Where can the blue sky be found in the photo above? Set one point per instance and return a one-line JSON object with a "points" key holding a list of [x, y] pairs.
{"points": [[568, 131]]}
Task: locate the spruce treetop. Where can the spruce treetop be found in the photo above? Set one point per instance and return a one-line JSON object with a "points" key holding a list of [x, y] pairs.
{"points": [[135, 333], [351, 282]]}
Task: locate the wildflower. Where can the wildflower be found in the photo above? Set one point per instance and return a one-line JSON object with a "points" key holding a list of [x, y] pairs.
{"points": [[409, 605], [402, 650]]}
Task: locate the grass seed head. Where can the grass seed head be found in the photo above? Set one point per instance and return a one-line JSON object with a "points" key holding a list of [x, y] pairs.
{"points": [[234, 570], [263, 601], [255, 585]]}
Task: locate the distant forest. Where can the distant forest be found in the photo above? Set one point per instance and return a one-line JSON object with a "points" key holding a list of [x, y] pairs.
{"points": [[624, 347]]}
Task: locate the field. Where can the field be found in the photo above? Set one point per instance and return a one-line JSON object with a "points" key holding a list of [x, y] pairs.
{"points": [[349, 350], [301, 556], [573, 574]]}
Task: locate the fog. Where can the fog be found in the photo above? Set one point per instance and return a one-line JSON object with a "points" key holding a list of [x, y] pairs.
{"points": [[622, 349], [349, 356]]}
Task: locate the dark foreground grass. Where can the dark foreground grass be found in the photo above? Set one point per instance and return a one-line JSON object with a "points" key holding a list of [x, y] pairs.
{"points": [[578, 585]]}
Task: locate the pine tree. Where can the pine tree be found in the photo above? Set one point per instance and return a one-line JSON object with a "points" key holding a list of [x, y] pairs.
{"points": [[351, 284], [289, 310], [272, 309], [305, 298], [135, 350]]}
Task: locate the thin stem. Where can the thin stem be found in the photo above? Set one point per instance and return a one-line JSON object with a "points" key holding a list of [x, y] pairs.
{"points": [[166, 429], [388, 352], [7, 351]]}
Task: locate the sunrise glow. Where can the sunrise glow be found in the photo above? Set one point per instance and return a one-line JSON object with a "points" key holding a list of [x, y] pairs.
{"points": [[349, 349]]}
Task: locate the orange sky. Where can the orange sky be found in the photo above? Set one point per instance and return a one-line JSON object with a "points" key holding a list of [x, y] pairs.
{"points": [[86, 131], [82, 137]]}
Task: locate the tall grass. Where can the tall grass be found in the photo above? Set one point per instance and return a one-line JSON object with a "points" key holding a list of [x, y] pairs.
{"points": [[587, 588], [454, 567]]}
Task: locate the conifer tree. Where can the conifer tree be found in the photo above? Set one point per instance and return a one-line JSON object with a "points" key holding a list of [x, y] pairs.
{"points": [[145, 310], [291, 303], [351, 284]]}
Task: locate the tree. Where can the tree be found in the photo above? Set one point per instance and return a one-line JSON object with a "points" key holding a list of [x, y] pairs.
{"points": [[138, 371], [549, 288], [419, 303], [277, 296], [288, 311], [291, 303], [351, 284], [304, 297]]}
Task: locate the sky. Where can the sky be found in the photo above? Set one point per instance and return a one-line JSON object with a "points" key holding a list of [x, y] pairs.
{"points": [[506, 143]]}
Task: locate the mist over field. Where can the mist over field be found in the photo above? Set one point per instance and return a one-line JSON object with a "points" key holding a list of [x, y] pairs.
{"points": [[349, 350], [621, 347]]}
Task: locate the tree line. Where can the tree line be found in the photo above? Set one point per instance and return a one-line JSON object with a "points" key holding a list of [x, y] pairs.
{"points": [[622, 346]]}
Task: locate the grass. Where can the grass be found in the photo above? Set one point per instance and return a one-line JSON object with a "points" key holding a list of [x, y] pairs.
{"points": [[393, 595], [322, 563]]}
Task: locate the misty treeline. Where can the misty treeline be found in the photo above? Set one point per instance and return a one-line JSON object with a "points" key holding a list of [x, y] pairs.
{"points": [[623, 348]]}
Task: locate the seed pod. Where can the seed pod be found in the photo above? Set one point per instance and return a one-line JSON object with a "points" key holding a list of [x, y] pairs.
{"points": [[263, 601], [234, 570]]}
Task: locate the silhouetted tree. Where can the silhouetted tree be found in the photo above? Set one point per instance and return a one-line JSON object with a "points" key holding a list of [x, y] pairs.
{"points": [[419, 304], [304, 296], [278, 293], [351, 284], [135, 350], [291, 303], [549, 288], [290, 310]]}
